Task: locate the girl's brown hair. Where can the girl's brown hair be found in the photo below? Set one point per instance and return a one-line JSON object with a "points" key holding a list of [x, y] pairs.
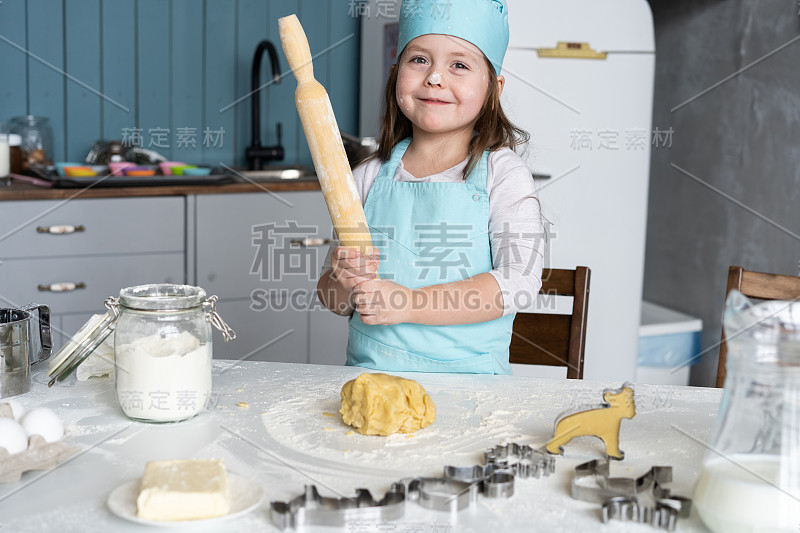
{"points": [[493, 129]]}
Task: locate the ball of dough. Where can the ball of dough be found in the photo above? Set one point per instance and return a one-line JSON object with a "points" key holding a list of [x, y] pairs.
{"points": [[380, 404]]}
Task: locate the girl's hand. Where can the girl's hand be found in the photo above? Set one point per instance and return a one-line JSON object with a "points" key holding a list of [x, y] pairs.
{"points": [[350, 268], [383, 302]]}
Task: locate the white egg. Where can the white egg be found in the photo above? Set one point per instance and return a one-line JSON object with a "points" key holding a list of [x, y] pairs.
{"points": [[17, 409], [43, 421], [12, 436]]}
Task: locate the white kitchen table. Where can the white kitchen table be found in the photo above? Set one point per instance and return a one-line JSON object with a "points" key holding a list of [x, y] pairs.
{"points": [[290, 434]]}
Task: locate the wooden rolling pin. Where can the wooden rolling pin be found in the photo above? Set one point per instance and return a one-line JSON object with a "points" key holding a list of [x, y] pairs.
{"points": [[325, 141]]}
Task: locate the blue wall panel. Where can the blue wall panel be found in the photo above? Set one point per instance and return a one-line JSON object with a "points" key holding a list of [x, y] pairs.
{"points": [[253, 23], [46, 68], [153, 66], [118, 70], [163, 70], [83, 103], [281, 96], [14, 61], [220, 82], [343, 66], [187, 80]]}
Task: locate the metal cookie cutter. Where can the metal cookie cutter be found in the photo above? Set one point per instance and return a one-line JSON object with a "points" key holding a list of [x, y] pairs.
{"points": [[442, 494], [521, 459], [662, 515], [492, 481], [619, 496], [495, 478], [312, 509]]}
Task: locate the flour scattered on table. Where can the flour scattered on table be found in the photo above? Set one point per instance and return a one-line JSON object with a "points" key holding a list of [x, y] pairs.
{"points": [[468, 423]]}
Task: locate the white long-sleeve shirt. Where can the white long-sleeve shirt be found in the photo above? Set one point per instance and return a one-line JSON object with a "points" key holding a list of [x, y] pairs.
{"points": [[515, 227]]}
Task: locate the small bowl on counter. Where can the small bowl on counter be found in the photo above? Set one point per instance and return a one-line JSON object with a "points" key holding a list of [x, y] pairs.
{"points": [[196, 171], [74, 170], [60, 168], [167, 166], [139, 171], [178, 170], [118, 167], [79, 172]]}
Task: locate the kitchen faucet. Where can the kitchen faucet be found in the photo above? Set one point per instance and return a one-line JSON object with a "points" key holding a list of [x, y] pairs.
{"points": [[255, 153]]}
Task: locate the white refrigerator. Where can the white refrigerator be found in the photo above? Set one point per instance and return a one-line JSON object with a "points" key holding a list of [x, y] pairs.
{"points": [[579, 79]]}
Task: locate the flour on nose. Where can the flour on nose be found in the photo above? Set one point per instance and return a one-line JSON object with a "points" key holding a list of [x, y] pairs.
{"points": [[435, 78]]}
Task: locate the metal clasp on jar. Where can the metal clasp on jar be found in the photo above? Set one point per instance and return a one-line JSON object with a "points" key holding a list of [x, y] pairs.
{"points": [[112, 304], [215, 320]]}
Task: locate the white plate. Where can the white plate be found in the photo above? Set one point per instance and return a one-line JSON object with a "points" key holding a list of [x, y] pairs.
{"points": [[244, 495]]}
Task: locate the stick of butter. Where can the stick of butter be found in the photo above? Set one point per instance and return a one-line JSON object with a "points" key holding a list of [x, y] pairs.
{"points": [[183, 489]]}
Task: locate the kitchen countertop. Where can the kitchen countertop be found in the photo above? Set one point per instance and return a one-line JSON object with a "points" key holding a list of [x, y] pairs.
{"points": [[291, 435], [26, 191]]}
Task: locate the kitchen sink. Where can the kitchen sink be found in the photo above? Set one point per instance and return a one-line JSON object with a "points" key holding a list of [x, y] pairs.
{"points": [[276, 174]]}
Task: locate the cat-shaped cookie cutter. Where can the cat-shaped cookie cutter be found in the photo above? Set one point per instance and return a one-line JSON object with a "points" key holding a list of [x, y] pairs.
{"points": [[619, 496]]}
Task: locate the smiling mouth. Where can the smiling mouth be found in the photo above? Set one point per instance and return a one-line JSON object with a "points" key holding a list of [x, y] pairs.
{"points": [[433, 101]]}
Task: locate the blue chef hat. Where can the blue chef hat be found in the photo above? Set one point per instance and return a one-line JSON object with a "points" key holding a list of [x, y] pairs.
{"points": [[484, 23]]}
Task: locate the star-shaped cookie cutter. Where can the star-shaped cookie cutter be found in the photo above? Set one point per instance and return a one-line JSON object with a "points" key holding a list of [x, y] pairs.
{"points": [[619, 496]]}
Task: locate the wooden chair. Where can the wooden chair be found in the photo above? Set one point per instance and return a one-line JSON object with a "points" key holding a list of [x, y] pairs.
{"points": [[553, 339], [755, 285]]}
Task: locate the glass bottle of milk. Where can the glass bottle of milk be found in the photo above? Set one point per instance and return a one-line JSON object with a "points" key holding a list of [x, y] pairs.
{"points": [[5, 151], [750, 479]]}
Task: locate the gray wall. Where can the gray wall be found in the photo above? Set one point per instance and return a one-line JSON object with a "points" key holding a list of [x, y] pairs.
{"points": [[741, 138]]}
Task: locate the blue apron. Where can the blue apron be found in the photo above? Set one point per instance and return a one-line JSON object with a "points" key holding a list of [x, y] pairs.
{"points": [[427, 234]]}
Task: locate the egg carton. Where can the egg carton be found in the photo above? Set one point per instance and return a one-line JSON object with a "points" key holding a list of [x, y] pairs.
{"points": [[40, 455]]}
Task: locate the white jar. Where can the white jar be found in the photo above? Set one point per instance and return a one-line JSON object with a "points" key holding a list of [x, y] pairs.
{"points": [[5, 153], [162, 351]]}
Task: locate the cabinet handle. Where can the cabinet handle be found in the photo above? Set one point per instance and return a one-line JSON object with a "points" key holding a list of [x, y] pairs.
{"points": [[62, 287], [309, 242], [61, 230]]}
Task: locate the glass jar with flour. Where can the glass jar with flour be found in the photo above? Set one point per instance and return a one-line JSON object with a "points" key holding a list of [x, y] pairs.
{"points": [[162, 350]]}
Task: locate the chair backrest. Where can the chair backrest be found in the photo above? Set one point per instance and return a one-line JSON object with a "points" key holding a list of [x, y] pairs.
{"points": [[755, 285], [554, 339]]}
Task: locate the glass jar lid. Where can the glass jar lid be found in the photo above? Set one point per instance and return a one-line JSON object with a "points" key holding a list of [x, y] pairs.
{"points": [[162, 297], [85, 341]]}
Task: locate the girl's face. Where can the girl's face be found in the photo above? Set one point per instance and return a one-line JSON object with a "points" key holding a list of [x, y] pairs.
{"points": [[441, 83]]}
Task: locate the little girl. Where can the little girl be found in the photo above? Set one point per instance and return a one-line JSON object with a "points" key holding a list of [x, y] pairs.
{"points": [[452, 209]]}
